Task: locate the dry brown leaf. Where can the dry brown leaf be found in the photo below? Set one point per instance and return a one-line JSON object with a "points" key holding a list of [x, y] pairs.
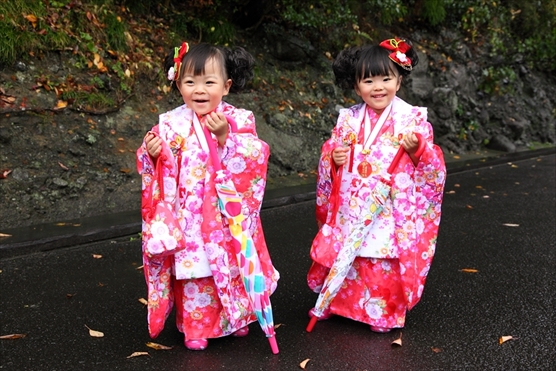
{"points": [[8, 99], [143, 301], [63, 166], [468, 270], [4, 173], [503, 339], [138, 354], [450, 192], [469, 206], [139, 267], [12, 336], [94, 333], [510, 225], [157, 346], [277, 325], [436, 350], [97, 256], [398, 341], [5, 235], [304, 363], [456, 185]]}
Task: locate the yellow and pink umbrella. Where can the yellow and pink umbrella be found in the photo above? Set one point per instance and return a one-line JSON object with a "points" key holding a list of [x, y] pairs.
{"points": [[230, 204]]}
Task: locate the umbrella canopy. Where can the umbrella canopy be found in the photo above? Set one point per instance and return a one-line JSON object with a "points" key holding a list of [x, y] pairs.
{"points": [[352, 244], [230, 204]]}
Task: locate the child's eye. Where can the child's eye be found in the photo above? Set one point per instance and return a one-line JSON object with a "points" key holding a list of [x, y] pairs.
{"points": [[188, 82]]}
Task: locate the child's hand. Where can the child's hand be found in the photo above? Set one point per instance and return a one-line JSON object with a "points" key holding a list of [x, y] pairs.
{"points": [[154, 144], [218, 125], [339, 155], [410, 143]]}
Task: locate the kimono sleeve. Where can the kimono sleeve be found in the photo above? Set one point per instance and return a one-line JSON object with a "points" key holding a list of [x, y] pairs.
{"points": [[429, 178], [327, 169]]}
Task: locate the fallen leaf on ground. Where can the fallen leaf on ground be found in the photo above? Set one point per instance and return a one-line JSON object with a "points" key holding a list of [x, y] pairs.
{"points": [[61, 104], [510, 225], [503, 339], [468, 270], [138, 354], [157, 346], [12, 336], [94, 333], [398, 341], [450, 192], [143, 301], [5, 235], [97, 256], [63, 166], [436, 350], [4, 173], [469, 206], [277, 325], [139, 267], [304, 363]]}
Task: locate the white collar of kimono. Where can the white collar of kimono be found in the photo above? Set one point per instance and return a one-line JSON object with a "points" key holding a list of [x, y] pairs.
{"points": [[199, 132], [368, 135]]}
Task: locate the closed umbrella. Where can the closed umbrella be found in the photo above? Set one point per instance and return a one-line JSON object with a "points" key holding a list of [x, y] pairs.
{"points": [[230, 204]]}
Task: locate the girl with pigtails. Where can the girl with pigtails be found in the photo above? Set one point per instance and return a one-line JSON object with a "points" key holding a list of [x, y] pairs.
{"points": [[202, 281], [387, 276]]}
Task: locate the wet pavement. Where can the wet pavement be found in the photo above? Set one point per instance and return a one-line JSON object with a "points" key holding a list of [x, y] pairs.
{"points": [[493, 275]]}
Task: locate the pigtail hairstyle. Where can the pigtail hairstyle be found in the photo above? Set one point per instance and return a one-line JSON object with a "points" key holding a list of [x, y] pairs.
{"points": [[344, 67], [239, 67]]}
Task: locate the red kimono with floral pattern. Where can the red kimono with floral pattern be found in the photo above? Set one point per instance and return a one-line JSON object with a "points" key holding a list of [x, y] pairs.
{"points": [[203, 281], [388, 276]]}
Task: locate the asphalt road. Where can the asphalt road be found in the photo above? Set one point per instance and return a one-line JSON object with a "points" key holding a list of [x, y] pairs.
{"points": [[493, 275]]}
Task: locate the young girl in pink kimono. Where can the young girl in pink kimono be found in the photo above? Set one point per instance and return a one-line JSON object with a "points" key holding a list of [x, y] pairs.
{"points": [[388, 274], [203, 280]]}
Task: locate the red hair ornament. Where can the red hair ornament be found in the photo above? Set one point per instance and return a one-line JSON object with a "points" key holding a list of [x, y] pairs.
{"points": [[179, 53], [398, 47]]}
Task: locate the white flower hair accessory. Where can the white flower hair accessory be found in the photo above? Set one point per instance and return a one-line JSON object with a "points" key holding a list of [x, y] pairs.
{"points": [[171, 74]]}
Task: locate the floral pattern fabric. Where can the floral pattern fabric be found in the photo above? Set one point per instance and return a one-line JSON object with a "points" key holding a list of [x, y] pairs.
{"points": [[208, 266], [393, 263]]}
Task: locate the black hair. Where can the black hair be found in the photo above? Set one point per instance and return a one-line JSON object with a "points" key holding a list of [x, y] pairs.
{"points": [[357, 63], [237, 64]]}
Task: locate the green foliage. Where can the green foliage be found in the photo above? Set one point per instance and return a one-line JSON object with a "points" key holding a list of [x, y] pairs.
{"points": [[115, 29], [386, 12], [318, 15], [497, 80], [434, 11]]}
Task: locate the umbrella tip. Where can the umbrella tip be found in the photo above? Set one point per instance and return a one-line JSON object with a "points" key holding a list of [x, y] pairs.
{"points": [[312, 323], [273, 344]]}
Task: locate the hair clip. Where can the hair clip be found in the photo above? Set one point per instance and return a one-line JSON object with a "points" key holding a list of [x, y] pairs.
{"points": [[398, 47], [179, 53]]}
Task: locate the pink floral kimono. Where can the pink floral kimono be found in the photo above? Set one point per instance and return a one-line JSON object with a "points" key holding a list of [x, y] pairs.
{"points": [[388, 275], [203, 281]]}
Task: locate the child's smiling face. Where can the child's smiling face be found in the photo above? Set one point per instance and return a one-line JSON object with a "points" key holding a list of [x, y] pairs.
{"points": [[204, 92], [378, 91]]}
